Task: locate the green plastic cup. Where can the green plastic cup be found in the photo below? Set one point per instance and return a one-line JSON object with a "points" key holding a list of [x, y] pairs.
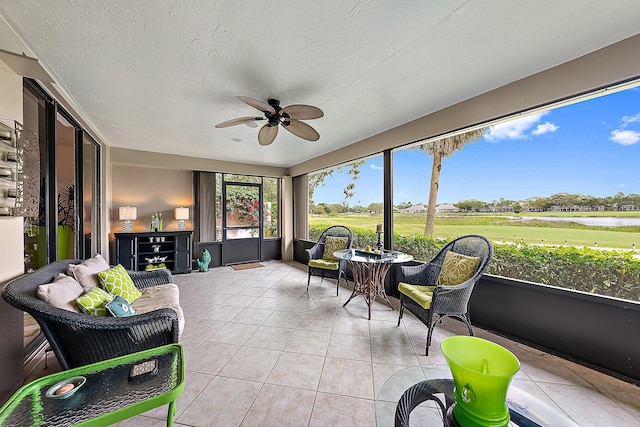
{"points": [[482, 371]]}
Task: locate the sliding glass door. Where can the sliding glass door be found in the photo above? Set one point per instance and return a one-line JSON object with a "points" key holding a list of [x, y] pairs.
{"points": [[65, 161], [65, 224]]}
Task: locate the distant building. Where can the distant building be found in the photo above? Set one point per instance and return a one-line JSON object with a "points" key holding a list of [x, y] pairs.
{"points": [[446, 207], [415, 209]]}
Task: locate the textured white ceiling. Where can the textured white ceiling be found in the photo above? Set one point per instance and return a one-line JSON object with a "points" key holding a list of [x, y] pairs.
{"points": [[158, 75]]}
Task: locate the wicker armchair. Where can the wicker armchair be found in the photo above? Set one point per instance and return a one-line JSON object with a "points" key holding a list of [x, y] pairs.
{"points": [[333, 270], [445, 301], [78, 339]]}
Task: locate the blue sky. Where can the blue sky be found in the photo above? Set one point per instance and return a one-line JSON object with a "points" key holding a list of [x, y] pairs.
{"points": [[592, 147]]}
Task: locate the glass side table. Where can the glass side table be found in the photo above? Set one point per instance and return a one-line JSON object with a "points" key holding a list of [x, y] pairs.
{"points": [[411, 387], [369, 271], [108, 396]]}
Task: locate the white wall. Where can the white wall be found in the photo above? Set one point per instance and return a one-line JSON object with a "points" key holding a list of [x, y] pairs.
{"points": [[12, 247], [150, 190]]}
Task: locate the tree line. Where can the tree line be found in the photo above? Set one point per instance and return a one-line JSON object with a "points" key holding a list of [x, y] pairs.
{"points": [[564, 201]]}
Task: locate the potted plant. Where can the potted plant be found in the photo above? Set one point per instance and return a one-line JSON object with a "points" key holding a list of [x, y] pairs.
{"points": [[66, 221]]}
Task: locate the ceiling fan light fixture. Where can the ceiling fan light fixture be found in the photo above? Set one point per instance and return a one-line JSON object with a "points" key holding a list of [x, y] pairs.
{"points": [[289, 117]]}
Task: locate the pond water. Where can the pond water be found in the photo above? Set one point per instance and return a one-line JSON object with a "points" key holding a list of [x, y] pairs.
{"points": [[590, 221]]}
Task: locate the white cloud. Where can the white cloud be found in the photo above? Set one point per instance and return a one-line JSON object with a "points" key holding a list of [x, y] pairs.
{"points": [[545, 127], [376, 167], [630, 119], [520, 128], [625, 137]]}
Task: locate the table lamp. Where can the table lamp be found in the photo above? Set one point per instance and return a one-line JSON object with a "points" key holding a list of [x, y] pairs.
{"points": [[182, 214], [127, 214], [482, 372]]}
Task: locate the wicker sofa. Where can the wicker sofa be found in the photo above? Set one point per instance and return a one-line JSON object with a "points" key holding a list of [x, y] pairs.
{"points": [[78, 339]]}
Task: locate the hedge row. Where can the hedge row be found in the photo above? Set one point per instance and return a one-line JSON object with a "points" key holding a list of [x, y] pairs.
{"points": [[610, 273]]}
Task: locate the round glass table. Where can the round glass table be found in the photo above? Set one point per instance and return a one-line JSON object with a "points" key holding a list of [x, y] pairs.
{"points": [[411, 389], [369, 271], [113, 390]]}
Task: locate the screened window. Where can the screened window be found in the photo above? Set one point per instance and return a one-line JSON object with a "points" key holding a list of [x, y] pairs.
{"points": [[350, 194]]}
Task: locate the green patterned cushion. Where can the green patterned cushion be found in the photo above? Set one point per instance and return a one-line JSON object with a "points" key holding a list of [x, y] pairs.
{"points": [[323, 263], [117, 281], [93, 301], [420, 294], [457, 268], [332, 244]]}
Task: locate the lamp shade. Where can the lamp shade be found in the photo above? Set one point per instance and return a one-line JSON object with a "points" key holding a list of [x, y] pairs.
{"points": [[128, 213], [482, 372], [182, 213]]}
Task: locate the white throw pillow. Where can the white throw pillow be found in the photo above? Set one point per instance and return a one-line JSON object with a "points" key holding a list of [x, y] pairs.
{"points": [[61, 293], [86, 273]]}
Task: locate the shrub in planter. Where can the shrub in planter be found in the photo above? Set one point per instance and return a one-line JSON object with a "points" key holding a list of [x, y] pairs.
{"points": [[609, 273]]}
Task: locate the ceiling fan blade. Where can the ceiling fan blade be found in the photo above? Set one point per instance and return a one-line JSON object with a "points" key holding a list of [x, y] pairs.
{"points": [[303, 112], [301, 130], [256, 103], [238, 121], [267, 134]]}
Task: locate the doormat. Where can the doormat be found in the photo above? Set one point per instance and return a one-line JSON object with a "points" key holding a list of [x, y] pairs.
{"points": [[246, 266]]}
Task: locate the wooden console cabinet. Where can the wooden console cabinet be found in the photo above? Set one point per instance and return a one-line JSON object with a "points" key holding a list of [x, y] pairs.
{"points": [[135, 251]]}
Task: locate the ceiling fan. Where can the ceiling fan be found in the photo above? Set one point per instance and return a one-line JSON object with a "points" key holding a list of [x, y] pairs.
{"points": [[289, 117]]}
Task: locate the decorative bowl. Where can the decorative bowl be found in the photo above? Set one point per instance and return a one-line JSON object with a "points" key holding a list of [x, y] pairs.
{"points": [[76, 381]]}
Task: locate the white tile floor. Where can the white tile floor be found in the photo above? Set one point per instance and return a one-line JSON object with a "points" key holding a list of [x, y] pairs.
{"points": [[261, 351]]}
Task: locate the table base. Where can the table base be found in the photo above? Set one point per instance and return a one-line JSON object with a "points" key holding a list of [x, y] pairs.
{"points": [[449, 419], [368, 281]]}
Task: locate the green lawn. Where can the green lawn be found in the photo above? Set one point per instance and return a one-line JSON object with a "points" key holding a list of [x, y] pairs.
{"points": [[496, 227]]}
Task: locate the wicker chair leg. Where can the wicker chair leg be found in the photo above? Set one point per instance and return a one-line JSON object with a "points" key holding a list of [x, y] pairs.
{"points": [[430, 329], [400, 312], [308, 280], [468, 322]]}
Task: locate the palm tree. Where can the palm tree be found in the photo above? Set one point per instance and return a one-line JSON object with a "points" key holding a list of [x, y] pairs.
{"points": [[444, 147]]}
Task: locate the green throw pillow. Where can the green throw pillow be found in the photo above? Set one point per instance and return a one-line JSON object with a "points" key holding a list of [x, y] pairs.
{"points": [[332, 244], [117, 281], [93, 301], [457, 268]]}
